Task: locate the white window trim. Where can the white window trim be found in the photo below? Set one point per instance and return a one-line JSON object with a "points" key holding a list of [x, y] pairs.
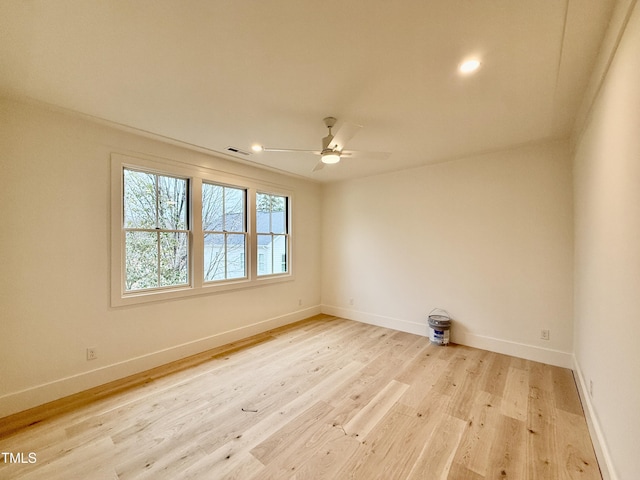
{"points": [[286, 234], [196, 286], [225, 232]]}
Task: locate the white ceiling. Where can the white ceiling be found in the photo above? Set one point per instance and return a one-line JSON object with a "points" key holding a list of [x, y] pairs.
{"points": [[219, 73]]}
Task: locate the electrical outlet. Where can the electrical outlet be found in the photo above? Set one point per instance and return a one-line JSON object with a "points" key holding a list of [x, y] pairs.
{"points": [[92, 353], [591, 388], [544, 334], [299, 302], [351, 301]]}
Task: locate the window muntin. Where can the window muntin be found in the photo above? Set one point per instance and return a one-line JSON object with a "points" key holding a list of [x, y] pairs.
{"points": [[156, 235], [224, 226], [272, 232]]}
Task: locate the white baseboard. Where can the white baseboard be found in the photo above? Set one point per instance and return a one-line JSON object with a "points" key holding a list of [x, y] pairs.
{"points": [[515, 349], [378, 320], [40, 394], [597, 437], [506, 347]]}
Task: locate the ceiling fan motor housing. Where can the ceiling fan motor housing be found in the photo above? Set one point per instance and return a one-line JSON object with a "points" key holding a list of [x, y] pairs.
{"points": [[330, 121]]}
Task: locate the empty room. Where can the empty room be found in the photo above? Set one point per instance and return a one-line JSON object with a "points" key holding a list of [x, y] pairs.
{"points": [[320, 240]]}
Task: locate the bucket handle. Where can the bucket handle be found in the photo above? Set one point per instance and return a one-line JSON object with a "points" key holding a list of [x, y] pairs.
{"points": [[440, 310]]}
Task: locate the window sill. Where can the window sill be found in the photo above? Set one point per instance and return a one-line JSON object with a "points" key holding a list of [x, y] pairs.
{"points": [[129, 299]]}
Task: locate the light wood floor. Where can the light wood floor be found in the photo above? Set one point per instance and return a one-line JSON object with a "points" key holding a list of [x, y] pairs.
{"points": [[323, 399]]}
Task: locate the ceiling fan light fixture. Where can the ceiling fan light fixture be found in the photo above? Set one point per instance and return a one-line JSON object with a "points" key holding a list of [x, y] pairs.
{"points": [[330, 157], [469, 66]]}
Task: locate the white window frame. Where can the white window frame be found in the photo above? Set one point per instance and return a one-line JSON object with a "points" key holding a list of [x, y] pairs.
{"points": [[196, 175], [225, 233], [273, 234], [158, 231]]}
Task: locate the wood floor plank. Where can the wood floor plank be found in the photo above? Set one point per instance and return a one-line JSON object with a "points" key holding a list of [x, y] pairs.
{"points": [[395, 444], [515, 401], [353, 395], [508, 455], [439, 450], [574, 450], [460, 472], [541, 438], [328, 461], [300, 450], [92, 460], [421, 377], [323, 398], [465, 391], [541, 422], [495, 377], [239, 467], [456, 370], [480, 433], [565, 391], [281, 441], [367, 418]]}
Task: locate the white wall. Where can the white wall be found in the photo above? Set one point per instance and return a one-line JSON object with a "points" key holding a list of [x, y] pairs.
{"points": [[607, 256], [54, 257], [488, 238]]}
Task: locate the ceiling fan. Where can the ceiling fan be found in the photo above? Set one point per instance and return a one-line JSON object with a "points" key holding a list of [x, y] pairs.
{"points": [[332, 145]]}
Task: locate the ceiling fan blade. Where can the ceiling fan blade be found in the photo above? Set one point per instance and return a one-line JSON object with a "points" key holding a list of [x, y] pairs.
{"points": [[293, 150], [365, 155], [346, 133], [319, 166]]}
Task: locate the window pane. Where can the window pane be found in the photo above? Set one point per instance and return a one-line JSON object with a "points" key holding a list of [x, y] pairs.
{"points": [[141, 260], [139, 199], [271, 214], [279, 216], [263, 213], [280, 254], [263, 222], [214, 262], [234, 209], [212, 207], [262, 202], [172, 205], [236, 256], [174, 259], [265, 263]]}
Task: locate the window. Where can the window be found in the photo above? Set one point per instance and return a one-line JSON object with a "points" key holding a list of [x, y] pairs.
{"points": [[272, 232], [155, 230], [225, 232], [179, 230]]}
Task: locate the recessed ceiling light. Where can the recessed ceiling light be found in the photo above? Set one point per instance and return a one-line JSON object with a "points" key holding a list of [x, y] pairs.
{"points": [[469, 66], [257, 148]]}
